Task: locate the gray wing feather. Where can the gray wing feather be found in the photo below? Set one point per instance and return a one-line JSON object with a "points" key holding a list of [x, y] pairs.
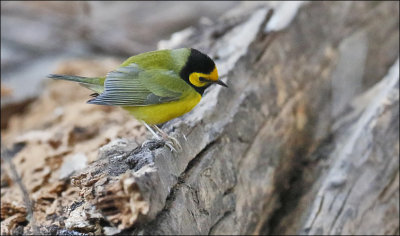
{"points": [[123, 87]]}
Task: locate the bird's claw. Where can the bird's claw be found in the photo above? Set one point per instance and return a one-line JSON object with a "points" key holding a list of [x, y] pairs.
{"points": [[173, 144], [167, 140], [170, 142], [153, 143], [145, 143]]}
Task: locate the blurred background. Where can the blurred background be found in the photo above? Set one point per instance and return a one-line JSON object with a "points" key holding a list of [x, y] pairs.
{"points": [[343, 48], [39, 37]]}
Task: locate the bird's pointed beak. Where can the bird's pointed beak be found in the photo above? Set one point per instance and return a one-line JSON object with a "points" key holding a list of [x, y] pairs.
{"points": [[221, 83]]}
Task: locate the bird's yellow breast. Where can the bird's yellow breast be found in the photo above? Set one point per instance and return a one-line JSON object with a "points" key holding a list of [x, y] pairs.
{"points": [[160, 113]]}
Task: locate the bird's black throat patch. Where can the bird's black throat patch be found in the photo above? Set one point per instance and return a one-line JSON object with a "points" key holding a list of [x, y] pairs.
{"points": [[200, 63]]}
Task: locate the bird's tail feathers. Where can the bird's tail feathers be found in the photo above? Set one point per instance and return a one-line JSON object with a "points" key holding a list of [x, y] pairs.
{"points": [[94, 84]]}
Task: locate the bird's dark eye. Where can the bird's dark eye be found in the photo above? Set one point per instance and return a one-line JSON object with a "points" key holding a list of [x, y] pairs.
{"points": [[201, 79]]}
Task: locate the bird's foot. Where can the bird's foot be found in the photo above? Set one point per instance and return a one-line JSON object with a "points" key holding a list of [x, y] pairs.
{"points": [[153, 143], [171, 142]]}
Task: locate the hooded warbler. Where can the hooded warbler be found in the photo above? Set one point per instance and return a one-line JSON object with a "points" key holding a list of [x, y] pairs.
{"points": [[155, 86]]}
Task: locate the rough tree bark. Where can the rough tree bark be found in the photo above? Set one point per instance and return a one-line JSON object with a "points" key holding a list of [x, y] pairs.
{"points": [[305, 140]]}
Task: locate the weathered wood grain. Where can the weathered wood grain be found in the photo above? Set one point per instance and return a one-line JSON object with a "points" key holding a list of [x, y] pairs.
{"points": [[301, 142]]}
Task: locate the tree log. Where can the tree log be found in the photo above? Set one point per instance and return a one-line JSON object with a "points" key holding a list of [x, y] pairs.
{"points": [[304, 140]]}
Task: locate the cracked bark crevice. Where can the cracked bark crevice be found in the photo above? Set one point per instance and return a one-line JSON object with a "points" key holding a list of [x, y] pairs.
{"points": [[186, 173], [226, 214], [337, 214], [290, 185], [180, 183]]}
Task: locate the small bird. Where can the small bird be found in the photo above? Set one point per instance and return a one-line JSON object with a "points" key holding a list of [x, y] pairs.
{"points": [[155, 86]]}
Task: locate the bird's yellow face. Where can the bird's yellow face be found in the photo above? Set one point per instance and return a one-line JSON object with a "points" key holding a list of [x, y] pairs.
{"points": [[200, 71], [202, 79]]}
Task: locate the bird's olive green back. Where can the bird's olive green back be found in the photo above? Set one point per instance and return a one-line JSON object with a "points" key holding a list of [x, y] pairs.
{"points": [[146, 79], [163, 59]]}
